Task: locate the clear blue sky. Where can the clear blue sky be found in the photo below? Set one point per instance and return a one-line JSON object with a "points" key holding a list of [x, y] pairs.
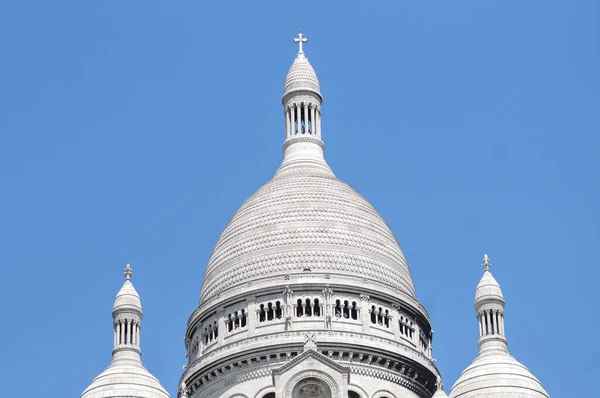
{"points": [[132, 131]]}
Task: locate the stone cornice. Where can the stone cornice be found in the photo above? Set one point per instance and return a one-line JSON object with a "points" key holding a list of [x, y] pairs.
{"points": [[273, 342]]}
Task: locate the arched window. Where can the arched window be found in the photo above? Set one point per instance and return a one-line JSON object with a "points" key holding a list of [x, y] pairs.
{"points": [[270, 312], [269, 395], [262, 315], [373, 314], [353, 394], [317, 308], [308, 308], [299, 309], [278, 310], [338, 309], [354, 311]]}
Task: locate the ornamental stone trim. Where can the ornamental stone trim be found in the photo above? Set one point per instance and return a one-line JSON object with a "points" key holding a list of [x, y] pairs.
{"points": [[315, 374], [304, 138]]}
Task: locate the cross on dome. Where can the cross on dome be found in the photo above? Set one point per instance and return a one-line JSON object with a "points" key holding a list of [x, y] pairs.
{"points": [[486, 262], [128, 272], [300, 39]]}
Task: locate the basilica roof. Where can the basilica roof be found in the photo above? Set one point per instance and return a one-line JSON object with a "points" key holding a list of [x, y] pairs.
{"points": [[496, 374], [125, 378], [306, 220]]}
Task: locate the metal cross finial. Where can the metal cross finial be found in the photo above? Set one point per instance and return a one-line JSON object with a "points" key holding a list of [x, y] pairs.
{"points": [[486, 262], [300, 39], [128, 272]]}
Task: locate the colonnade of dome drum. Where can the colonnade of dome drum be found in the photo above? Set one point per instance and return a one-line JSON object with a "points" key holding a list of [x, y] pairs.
{"points": [[293, 309]]}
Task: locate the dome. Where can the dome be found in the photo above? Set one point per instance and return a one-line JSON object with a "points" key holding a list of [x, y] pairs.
{"points": [[127, 299], [306, 220], [488, 289], [306, 276], [497, 375], [301, 77], [125, 378], [494, 373]]}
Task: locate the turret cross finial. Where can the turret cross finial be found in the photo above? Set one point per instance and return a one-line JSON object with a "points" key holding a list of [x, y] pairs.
{"points": [[486, 262], [300, 39], [128, 272]]}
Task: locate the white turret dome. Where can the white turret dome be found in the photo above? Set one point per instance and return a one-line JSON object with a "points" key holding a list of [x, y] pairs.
{"points": [[301, 77], [126, 376], [127, 299], [488, 289], [497, 375], [494, 373]]}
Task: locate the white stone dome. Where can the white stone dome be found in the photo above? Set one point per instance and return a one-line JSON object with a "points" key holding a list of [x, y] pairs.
{"points": [[496, 374], [125, 377], [301, 77], [127, 299], [306, 220], [488, 289]]}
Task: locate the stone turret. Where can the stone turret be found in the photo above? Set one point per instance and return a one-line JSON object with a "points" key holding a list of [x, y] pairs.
{"points": [[126, 376], [494, 373]]}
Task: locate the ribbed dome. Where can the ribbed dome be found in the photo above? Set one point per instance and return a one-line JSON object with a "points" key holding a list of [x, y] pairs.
{"points": [[305, 219], [125, 378], [301, 77], [127, 299], [496, 374]]}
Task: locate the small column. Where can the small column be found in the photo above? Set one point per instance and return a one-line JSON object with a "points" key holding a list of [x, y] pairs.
{"points": [[479, 321], [121, 332], [251, 320], [364, 305], [294, 116], [395, 321], [313, 125], [502, 324], [487, 319], [416, 334], [287, 123], [115, 335], [221, 328], [430, 344], [139, 334], [319, 122]]}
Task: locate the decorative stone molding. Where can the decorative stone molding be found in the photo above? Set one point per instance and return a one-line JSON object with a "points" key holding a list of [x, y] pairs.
{"points": [[314, 374]]}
